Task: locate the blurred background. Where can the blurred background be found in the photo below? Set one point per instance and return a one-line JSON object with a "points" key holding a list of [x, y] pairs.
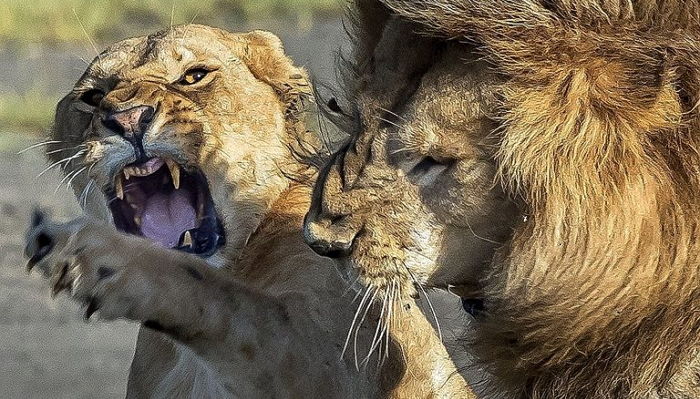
{"points": [[46, 350]]}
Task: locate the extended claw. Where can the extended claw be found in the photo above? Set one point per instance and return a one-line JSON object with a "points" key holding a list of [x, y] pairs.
{"points": [[92, 307], [61, 283]]}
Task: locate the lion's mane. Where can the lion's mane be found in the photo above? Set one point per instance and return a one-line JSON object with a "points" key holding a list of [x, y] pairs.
{"points": [[598, 292]]}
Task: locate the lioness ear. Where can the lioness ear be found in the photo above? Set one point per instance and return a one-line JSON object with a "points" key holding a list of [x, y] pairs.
{"points": [[265, 57]]}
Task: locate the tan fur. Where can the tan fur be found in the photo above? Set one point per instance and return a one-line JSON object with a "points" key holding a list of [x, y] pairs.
{"points": [[273, 321], [596, 294]]}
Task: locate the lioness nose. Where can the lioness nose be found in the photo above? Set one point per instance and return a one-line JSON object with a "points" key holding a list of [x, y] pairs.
{"points": [[131, 123], [324, 242]]}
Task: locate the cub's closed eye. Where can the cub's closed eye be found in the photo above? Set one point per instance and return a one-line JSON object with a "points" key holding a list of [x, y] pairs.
{"points": [[92, 97], [193, 76]]}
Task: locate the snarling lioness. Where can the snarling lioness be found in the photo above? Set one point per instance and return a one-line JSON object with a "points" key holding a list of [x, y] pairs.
{"points": [[544, 156], [191, 141]]}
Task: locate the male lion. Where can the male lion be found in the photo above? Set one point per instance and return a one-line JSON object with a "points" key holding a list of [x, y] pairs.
{"points": [[190, 140], [585, 114]]}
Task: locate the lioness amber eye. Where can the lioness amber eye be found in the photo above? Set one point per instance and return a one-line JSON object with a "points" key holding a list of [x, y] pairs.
{"points": [[92, 97], [193, 76]]}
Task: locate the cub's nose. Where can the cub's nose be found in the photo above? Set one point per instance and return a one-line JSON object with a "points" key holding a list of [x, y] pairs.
{"points": [[325, 241], [131, 123]]}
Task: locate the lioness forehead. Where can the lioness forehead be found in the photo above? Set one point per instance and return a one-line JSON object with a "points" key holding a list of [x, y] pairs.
{"points": [[167, 53]]}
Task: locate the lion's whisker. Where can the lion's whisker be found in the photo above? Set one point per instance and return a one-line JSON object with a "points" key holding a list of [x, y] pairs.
{"points": [[390, 122], [351, 286], [376, 339], [357, 313], [404, 149], [388, 111], [482, 238], [359, 325]]}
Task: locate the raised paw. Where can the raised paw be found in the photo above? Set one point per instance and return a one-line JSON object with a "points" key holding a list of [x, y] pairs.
{"points": [[94, 263]]}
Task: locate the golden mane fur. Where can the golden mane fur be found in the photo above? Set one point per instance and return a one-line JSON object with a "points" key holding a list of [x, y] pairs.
{"points": [[597, 294]]}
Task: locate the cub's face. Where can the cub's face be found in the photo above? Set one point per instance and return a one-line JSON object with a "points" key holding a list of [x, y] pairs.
{"points": [[181, 136], [412, 200]]}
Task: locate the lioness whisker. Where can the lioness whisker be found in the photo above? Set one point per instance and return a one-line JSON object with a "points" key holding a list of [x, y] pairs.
{"points": [[70, 181], [87, 36], [114, 197], [86, 192], [62, 161], [69, 177], [65, 149], [41, 144]]}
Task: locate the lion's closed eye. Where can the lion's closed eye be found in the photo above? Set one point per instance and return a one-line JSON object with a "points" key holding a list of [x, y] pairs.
{"points": [[428, 169]]}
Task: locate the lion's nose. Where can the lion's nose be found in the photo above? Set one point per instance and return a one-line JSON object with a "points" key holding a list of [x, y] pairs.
{"points": [[325, 242], [131, 123]]}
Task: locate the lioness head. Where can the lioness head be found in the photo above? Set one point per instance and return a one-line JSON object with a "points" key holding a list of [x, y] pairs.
{"points": [[182, 136], [412, 198]]}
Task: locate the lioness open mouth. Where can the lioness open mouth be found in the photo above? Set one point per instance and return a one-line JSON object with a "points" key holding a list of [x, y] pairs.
{"points": [[162, 201]]}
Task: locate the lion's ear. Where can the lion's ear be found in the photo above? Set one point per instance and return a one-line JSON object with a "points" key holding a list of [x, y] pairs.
{"points": [[265, 57]]}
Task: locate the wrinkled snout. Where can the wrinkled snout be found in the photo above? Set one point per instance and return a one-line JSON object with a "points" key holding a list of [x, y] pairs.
{"points": [[327, 238]]}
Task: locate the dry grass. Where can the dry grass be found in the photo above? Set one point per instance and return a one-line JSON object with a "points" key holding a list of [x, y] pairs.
{"points": [[61, 21]]}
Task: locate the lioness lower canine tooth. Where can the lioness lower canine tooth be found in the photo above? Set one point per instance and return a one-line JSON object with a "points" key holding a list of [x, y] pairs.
{"points": [[186, 240], [119, 187], [174, 173]]}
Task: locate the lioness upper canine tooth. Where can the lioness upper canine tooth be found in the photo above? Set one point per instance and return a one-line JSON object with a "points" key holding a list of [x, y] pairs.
{"points": [[127, 173], [119, 187], [174, 173]]}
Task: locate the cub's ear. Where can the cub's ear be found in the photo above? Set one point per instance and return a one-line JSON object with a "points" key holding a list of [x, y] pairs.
{"points": [[265, 57]]}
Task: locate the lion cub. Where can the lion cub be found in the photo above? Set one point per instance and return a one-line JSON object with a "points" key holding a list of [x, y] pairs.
{"points": [[188, 141]]}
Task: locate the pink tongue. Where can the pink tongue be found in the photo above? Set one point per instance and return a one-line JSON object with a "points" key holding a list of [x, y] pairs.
{"points": [[166, 217]]}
